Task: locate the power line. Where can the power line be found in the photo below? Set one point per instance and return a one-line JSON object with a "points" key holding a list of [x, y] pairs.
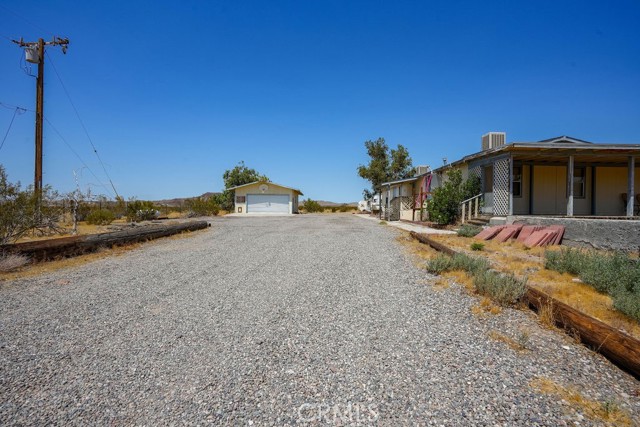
{"points": [[24, 110], [15, 113], [82, 124], [25, 19], [76, 154]]}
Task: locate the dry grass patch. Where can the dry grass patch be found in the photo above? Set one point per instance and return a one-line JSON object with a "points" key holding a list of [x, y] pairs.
{"points": [[46, 267], [37, 269], [513, 257], [486, 306], [521, 343], [608, 411], [10, 262]]}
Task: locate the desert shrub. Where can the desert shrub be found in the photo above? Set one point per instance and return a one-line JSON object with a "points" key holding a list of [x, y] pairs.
{"points": [[100, 217], [444, 206], [477, 246], [439, 264], [627, 303], [615, 274], [505, 289], [469, 264], [468, 230], [442, 263], [10, 262], [22, 213], [201, 206], [567, 260], [344, 208], [141, 210], [610, 272], [312, 206], [334, 209]]}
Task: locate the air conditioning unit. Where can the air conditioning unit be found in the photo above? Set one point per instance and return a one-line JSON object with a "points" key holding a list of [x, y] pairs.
{"points": [[421, 170], [493, 140]]}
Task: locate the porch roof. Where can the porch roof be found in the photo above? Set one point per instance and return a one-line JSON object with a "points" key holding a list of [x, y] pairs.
{"points": [[557, 150], [402, 181]]}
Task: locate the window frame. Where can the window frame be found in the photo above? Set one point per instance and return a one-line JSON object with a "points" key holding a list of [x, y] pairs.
{"points": [[582, 182], [519, 181]]}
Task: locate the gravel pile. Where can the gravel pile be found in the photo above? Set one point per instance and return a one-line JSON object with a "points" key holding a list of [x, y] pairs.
{"points": [[280, 321]]}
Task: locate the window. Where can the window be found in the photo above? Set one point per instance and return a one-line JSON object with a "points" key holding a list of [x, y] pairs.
{"points": [[579, 183], [517, 181], [241, 199]]}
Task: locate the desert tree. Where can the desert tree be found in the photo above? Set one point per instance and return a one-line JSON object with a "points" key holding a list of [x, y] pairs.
{"points": [[384, 165], [238, 175]]}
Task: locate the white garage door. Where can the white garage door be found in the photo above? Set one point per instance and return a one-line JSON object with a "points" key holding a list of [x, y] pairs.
{"points": [[270, 203]]}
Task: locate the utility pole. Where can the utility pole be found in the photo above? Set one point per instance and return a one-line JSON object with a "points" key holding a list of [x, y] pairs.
{"points": [[34, 52]]}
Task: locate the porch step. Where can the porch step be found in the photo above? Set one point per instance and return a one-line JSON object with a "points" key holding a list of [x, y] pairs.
{"points": [[481, 220]]}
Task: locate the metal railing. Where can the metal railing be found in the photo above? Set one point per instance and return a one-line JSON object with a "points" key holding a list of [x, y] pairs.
{"points": [[470, 208]]}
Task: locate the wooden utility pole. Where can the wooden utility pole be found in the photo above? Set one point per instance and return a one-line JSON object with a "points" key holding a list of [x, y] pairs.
{"points": [[35, 53]]}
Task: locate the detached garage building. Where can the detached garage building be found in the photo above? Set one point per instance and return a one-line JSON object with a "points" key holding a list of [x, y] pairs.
{"points": [[263, 197]]}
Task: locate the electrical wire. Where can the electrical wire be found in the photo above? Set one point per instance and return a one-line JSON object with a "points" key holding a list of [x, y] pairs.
{"points": [[17, 111], [24, 110], [76, 154], [24, 19], [82, 124]]}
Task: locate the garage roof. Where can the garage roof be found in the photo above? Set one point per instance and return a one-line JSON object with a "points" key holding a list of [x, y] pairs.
{"points": [[269, 183]]}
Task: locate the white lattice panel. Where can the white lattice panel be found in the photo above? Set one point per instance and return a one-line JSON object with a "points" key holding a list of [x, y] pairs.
{"points": [[475, 172], [501, 187]]}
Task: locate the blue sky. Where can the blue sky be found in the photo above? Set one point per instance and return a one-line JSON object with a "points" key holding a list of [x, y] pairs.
{"points": [[174, 93]]}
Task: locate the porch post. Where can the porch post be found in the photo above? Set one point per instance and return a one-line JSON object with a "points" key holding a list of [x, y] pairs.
{"points": [[387, 214], [570, 187], [593, 189], [511, 185], [380, 203], [631, 195]]}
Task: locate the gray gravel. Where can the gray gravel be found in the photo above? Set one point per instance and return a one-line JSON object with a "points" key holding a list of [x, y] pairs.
{"points": [[279, 321]]}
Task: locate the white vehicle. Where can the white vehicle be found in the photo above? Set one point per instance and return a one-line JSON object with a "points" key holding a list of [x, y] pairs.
{"points": [[371, 205]]}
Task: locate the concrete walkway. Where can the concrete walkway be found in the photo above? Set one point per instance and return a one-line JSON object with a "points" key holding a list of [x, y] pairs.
{"points": [[408, 226]]}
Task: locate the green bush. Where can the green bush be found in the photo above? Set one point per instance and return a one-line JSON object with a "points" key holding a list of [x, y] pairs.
{"points": [[567, 260], [312, 206], [477, 246], [444, 206], [468, 230], [439, 264], [627, 303], [100, 217], [202, 206], [505, 289], [19, 213], [141, 210], [442, 263]]}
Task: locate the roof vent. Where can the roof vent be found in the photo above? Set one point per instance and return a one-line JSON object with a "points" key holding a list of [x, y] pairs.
{"points": [[493, 140]]}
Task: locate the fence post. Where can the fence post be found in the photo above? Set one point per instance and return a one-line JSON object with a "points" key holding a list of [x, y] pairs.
{"points": [[463, 213]]}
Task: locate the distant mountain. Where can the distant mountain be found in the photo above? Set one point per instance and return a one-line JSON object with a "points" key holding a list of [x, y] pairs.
{"points": [[180, 200], [326, 204]]}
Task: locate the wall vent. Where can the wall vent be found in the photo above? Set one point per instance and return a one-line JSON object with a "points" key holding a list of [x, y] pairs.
{"points": [[493, 140]]}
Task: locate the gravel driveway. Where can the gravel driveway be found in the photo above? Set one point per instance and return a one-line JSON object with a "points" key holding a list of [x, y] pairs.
{"points": [[279, 321]]}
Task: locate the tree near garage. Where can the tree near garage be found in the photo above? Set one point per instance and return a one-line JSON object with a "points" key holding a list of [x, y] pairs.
{"points": [[384, 165], [239, 175]]}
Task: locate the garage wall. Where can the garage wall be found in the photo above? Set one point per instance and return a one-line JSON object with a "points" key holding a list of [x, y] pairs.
{"points": [[273, 189]]}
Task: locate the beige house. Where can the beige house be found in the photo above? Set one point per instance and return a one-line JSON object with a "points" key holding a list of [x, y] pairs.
{"points": [[262, 197], [403, 199], [562, 176]]}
